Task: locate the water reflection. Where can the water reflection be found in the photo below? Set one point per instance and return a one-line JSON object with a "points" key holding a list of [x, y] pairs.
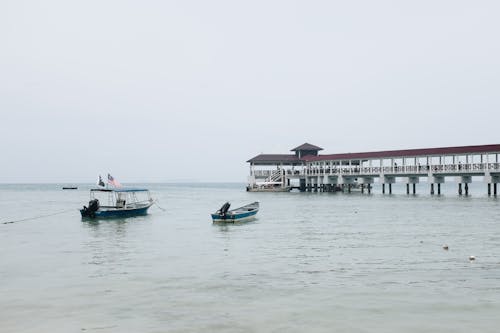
{"points": [[111, 244]]}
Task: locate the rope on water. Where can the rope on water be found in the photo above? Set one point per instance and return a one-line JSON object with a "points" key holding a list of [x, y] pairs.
{"points": [[156, 203], [37, 217]]}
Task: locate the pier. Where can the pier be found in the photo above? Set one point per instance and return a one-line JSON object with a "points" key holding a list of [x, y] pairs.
{"points": [[358, 171]]}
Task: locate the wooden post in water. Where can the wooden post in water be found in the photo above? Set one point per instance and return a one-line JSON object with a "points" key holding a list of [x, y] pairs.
{"points": [[495, 189], [466, 188], [459, 188], [489, 189], [370, 189], [383, 188], [407, 188], [432, 188], [414, 188], [390, 188], [439, 188]]}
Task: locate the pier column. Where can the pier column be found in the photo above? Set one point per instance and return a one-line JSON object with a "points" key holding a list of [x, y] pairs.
{"points": [[489, 189], [370, 189], [465, 180], [413, 181], [362, 188], [436, 180], [349, 188], [302, 186], [495, 189], [388, 180]]}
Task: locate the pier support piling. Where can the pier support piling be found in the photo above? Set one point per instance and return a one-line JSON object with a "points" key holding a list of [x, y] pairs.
{"points": [[414, 188], [408, 188], [362, 188], [459, 188], [390, 188], [383, 188], [466, 187], [439, 188], [370, 188], [495, 189], [489, 189], [432, 188]]}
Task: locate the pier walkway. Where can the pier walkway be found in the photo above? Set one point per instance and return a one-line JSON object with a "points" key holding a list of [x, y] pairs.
{"points": [[332, 172]]}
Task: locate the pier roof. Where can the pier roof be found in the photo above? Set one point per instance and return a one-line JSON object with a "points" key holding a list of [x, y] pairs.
{"points": [[307, 146], [275, 159], [461, 150]]}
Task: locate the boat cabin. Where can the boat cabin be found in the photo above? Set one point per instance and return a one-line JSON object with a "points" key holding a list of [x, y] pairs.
{"points": [[120, 197]]}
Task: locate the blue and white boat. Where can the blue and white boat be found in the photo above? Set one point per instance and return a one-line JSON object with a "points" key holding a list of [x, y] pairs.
{"points": [[120, 202], [241, 214]]}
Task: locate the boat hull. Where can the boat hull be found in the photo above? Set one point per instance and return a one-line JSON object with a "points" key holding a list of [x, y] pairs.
{"points": [[231, 218], [116, 213]]}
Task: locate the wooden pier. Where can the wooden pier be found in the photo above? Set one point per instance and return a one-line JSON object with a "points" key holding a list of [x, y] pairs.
{"points": [[358, 171]]}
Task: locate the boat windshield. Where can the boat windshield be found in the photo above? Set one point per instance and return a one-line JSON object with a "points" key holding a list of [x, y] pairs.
{"points": [[120, 197]]}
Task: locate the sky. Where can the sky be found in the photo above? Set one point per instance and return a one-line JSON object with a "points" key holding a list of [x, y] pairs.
{"points": [[173, 91]]}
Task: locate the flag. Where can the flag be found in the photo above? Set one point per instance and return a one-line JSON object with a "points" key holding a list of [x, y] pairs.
{"points": [[100, 183], [113, 181]]}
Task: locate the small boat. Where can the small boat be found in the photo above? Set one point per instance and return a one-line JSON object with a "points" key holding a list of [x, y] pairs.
{"points": [[70, 188], [241, 214], [120, 202]]}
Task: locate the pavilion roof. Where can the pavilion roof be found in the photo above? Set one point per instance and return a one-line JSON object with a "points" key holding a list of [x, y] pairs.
{"points": [[307, 146]]}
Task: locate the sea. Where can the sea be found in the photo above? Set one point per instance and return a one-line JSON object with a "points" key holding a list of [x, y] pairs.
{"points": [[309, 262]]}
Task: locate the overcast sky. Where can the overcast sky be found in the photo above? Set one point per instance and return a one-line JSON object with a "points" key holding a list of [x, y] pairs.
{"points": [[189, 90]]}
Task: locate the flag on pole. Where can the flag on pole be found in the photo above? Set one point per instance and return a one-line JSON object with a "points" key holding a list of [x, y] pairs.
{"points": [[113, 181], [100, 182]]}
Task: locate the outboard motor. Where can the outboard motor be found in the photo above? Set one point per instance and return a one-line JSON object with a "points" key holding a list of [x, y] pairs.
{"points": [[91, 209], [223, 210]]}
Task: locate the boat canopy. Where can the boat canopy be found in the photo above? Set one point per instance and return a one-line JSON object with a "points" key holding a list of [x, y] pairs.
{"points": [[120, 190]]}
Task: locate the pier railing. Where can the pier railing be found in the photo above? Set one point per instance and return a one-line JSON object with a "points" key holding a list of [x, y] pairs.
{"points": [[455, 169]]}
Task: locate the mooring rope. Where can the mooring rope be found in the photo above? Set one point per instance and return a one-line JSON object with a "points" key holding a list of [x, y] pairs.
{"points": [[156, 203], [37, 217]]}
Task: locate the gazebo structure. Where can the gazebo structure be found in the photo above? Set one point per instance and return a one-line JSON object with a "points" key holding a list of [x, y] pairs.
{"points": [[348, 171]]}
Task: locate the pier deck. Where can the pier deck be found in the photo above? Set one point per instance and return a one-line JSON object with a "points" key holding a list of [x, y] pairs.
{"points": [[333, 171]]}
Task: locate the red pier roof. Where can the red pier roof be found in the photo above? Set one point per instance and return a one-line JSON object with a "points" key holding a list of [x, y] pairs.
{"points": [[462, 150], [293, 159]]}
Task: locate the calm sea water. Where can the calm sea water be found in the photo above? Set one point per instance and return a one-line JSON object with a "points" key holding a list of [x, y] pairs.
{"points": [[311, 262]]}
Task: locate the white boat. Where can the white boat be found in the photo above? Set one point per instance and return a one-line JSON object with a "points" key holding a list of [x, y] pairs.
{"points": [[121, 202]]}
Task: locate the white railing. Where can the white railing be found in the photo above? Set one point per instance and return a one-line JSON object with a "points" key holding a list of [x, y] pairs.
{"points": [[408, 169], [262, 173], [455, 169]]}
